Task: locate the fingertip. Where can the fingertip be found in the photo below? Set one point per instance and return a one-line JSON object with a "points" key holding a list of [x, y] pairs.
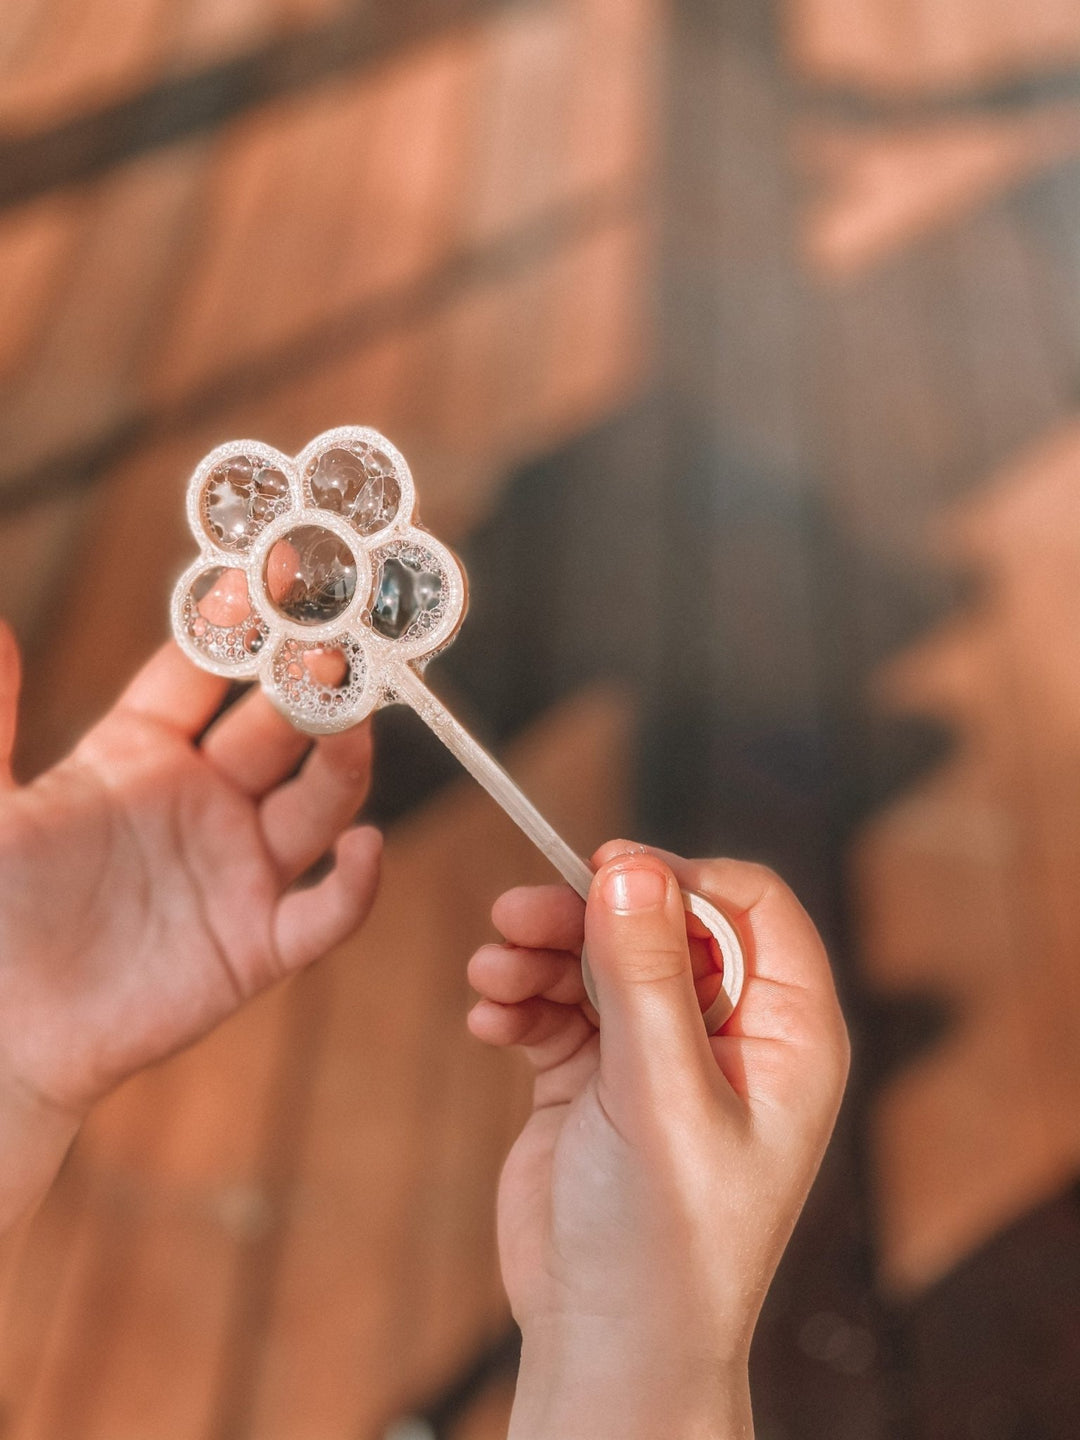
{"points": [[612, 849], [509, 905], [634, 921], [478, 970], [633, 882], [350, 751], [360, 849], [365, 839], [546, 917], [650, 1020], [488, 1022]]}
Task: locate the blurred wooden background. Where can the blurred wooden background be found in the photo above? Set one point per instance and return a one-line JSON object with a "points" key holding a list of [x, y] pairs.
{"points": [[736, 344]]}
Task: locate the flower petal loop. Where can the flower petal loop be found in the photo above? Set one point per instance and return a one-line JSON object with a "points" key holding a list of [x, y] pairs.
{"points": [[356, 473], [418, 596], [321, 686], [240, 494], [215, 621], [357, 482]]}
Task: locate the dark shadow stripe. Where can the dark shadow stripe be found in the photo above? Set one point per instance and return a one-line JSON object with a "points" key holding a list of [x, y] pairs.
{"points": [[180, 106], [497, 1362], [859, 105], [561, 228]]}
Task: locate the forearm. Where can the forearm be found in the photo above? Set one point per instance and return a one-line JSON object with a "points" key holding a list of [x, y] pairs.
{"points": [[583, 1393]]}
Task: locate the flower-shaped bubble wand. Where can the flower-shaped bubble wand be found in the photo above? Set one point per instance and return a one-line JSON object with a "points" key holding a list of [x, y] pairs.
{"points": [[315, 578]]}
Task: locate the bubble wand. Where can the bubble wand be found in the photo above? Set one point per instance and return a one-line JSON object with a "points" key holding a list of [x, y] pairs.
{"points": [[315, 578]]}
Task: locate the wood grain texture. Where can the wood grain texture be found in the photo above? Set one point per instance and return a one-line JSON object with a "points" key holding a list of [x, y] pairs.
{"points": [[882, 191], [66, 56], [900, 47], [967, 885]]}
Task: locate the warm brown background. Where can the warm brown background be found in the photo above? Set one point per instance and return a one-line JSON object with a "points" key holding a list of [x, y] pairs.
{"points": [[736, 343]]}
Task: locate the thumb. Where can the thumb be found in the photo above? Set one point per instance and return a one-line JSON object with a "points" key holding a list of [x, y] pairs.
{"points": [[652, 1041], [10, 680]]}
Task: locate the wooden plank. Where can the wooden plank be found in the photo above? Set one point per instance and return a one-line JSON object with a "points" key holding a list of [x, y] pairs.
{"points": [[882, 190], [82, 56], [36, 242], [62, 57], [17, 35], [171, 1195], [896, 425], [968, 886], [223, 291], [356, 218], [86, 373], [1018, 390], [614, 100], [522, 136], [202, 30], [917, 46], [36, 549], [35, 1288], [602, 349]]}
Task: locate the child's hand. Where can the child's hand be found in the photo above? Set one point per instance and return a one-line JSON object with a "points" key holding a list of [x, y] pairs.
{"points": [[145, 891], [644, 1207]]}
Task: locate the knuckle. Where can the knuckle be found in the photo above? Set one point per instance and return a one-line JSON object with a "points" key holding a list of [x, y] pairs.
{"points": [[749, 882], [763, 878], [649, 964]]}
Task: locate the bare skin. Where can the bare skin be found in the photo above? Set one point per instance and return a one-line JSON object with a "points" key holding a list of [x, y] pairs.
{"points": [[646, 1204], [148, 884]]}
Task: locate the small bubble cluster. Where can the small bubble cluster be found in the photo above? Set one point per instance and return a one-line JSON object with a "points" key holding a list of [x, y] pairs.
{"points": [[320, 682], [241, 497], [219, 619], [356, 482]]}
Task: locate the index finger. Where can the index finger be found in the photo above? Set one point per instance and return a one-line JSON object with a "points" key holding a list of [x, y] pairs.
{"points": [[541, 917], [173, 691]]}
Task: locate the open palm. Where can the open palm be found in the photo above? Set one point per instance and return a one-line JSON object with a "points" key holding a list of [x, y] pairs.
{"points": [[147, 881]]}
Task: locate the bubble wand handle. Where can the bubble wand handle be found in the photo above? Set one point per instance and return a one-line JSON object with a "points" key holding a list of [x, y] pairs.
{"points": [[484, 768], [490, 774]]}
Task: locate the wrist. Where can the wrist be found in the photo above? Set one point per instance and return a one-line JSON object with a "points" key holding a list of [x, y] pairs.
{"points": [[35, 1136], [586, 1388]]}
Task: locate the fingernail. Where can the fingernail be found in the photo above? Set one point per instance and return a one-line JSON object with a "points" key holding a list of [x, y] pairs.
{"points": [[637, 887]]}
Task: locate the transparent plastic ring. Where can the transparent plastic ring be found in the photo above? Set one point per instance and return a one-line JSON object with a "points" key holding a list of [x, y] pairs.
{"points": [[731, 951]]}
